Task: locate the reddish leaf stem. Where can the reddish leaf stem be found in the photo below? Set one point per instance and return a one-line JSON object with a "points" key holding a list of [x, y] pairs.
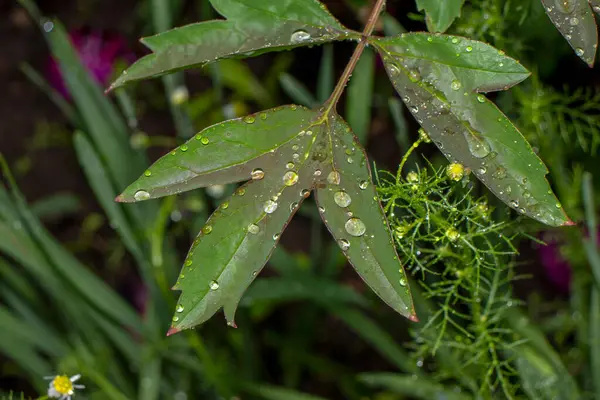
{"points": [[341, 85]]}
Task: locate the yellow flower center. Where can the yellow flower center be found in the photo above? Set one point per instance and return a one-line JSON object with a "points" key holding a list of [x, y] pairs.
{"points": [[62, 384]]}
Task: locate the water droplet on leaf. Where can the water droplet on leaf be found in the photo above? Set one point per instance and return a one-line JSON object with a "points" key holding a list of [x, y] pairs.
{"points": [[214, 285], [290, 178], [257, 174], [270, 206], [141, 195], [355, 227], [342, 198]]}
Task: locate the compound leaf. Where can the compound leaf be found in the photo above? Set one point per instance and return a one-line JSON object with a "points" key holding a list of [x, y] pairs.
{"points": [[440, 14], [350, 208], [574, 19], [286, 153], [252, 27], [438, 77]]}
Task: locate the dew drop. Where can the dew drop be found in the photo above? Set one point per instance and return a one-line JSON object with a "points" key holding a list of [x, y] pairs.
{"points": [[363, 184], [290, 178], [204, 140], [355, 227], [342, 198], [454, 40], [414, 76], [184, 147], [300, 36], [263, 116], [214, 285], [500, 173], [249, 119], [480, 98], [305, 193], [290, 165], [276, 236], [317, 172], [455, 85], [257, 174], [147, 172], [579, 51], [573, 21], [558, 205], [225, 205], [477, 145], [295, 156], [514, 203], [48, 26], [270, 206], [344, 244], [175, 318], [321, 209], [253, 229], [469, 49], [402, 282], [179, 308], [350, 160], [206, 229], [295, 147], [293, 206], [141, 195], [482, 170], [334, 178]]}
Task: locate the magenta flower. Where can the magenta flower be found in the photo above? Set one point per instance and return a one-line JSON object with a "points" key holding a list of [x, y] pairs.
{"points": [[558, 270], [99, 54]]}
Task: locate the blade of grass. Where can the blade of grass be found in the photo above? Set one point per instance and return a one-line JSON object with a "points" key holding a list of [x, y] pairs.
{"points": [[360, 96]]}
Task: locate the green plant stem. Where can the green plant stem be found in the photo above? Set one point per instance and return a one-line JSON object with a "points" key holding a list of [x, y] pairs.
{"points": [[405, 158], [341, 85]]}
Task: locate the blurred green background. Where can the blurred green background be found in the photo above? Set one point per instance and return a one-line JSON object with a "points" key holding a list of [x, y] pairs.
{"points": [[84, 281]]}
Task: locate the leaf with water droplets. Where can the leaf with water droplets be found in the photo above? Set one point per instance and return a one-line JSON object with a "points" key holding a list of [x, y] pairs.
{"points": [[575, 20], [440, 14], [240, 235], [438, 77], [230, 151], [284, 153], [251, 28], [351, 210]]}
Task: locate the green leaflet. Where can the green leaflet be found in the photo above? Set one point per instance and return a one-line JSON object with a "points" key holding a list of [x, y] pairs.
{"points": [[252, 27], [437, 77], [575, 21], [286, 153], [361, 228], [440, 14]]}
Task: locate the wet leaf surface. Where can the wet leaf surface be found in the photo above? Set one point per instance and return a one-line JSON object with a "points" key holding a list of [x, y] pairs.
{"points": [[438, 77], [574, 19], [284, 154], [251, 28]]}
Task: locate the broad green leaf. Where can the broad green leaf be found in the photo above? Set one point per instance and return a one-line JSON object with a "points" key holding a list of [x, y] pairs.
{"points": [[539, 379], [438, 77], [440, 14], [285, 152], [361, 229], [575, 21], [252, 27]]}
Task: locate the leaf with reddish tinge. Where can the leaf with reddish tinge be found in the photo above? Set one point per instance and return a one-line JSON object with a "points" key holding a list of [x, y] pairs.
{"points": [[252, 27], [575, 21], [285, 153], [437, 77]]}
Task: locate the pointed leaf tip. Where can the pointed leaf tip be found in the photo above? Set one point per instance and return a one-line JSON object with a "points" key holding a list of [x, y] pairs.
{"points": [[172, 330], [119, 199], [413, 318], [570, 223]]}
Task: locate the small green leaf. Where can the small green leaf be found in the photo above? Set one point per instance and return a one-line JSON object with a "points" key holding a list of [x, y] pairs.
{"points": [[440, 14], [286, 153], [350, 208], [253, 27], [575, 21], [437, 77]]}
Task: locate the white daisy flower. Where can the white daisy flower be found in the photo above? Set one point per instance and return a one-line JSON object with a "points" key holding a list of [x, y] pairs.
{"points": [[62, 387]]}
